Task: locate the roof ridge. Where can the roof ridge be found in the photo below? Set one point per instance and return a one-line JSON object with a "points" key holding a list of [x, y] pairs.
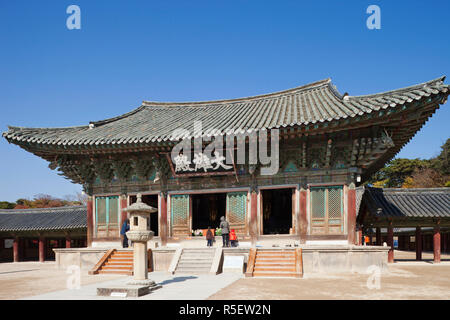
{"points": [[309, 86], [377, 189], [419, 85], [39, 210]]}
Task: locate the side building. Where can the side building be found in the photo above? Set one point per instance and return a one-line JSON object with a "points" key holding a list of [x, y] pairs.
{"points": [[32, 234]]}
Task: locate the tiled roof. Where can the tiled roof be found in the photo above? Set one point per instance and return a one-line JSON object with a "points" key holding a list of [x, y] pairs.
{"points": [[318, 102], [43, 219], [413, 203]]}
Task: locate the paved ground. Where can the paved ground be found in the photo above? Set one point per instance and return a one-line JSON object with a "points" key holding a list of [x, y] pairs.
{"points": [[174, 287], [23, 279], [405, 280], [400, 255]]}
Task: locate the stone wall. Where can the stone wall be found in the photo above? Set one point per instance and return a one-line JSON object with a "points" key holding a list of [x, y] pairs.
{"points": [[85, 258]]}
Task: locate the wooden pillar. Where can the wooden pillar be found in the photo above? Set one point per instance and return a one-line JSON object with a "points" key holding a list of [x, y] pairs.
{"points": [[163, 229], [360, 238], [303, 220], [41, 248], [444, 242], [407, 242], [68, 241], [123, 205], [351, 214], [16, 249], [418, 244], [437, 245], [90, 220], [378, 236], [390, 243], [253, 217]]}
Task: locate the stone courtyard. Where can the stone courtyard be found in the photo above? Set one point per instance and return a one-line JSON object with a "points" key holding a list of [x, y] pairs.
{"points": [[406, 279]]}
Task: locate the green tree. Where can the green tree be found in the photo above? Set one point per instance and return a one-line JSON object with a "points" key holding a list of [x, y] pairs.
{"points": [[442, 162], [7, 205], [395, 172]]}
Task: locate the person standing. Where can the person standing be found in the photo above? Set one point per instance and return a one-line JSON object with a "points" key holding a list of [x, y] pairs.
{"points": [[233, 238], [225, 226], [209, 237], [123, 232]]}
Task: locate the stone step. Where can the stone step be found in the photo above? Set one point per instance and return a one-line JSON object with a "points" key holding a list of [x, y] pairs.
{"points": [[194, 254], [194, 264], [111, 271], [276, 253], [120, 260], [275, 257], [284, 259], [196, 258], [115, 267], [118, 263], [278, 274], [193, 270], [274, 269], [274, 263]]}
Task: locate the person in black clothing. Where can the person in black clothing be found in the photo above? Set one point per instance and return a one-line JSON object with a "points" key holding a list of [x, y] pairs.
{"points": [[225, 226], [125, 228]]}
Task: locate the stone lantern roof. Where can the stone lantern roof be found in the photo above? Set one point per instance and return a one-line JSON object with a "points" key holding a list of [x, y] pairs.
{"points": [[140, 206]]}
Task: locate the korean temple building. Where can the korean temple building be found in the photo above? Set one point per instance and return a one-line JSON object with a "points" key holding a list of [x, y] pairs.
{"points": [[327, 144]]}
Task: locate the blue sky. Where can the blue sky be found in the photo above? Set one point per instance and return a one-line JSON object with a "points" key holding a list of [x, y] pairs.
{"points": [[129, 51]]}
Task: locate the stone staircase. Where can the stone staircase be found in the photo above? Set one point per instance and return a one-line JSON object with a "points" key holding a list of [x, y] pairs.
{"points": [[195, 260], [118, 262], [275, 263]]}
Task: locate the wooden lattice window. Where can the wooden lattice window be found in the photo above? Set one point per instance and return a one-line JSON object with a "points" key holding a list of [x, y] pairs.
{"points": [[237, 210], [107, 216], [327, 210], [179, 214]]}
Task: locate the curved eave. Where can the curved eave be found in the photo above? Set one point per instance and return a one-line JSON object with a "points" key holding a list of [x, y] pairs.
{"points": [[306, 108]]}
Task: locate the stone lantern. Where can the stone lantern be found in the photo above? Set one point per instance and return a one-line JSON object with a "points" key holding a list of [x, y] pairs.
{"points": [[140, 233]]}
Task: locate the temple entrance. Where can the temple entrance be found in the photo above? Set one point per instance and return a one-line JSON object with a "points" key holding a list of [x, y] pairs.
{"points": [[207, 210], [277, 208], [151, 200]]}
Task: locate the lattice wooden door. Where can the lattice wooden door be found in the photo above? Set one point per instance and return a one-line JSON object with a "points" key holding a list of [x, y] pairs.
{"points": [[327, 210], [179, 215], [237, 211], [107, 217]]}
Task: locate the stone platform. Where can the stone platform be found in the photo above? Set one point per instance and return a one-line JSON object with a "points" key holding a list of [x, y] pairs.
{"points": [[317, 258], [131, 290]]}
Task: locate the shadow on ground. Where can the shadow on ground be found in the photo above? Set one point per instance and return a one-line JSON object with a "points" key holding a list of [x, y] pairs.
{"points": [[177, 279]]}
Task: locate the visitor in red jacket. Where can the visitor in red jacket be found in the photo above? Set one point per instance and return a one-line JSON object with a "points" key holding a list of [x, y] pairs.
{"points": [[233, 238]]}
